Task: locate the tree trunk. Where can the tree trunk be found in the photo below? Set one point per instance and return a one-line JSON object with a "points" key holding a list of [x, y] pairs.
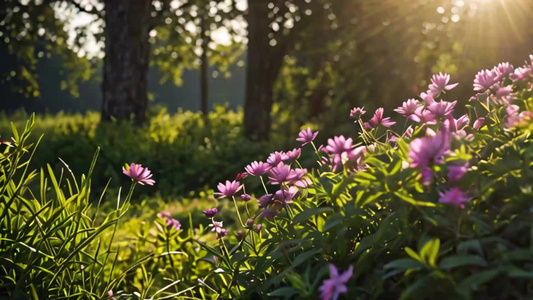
{"points": [[262, 68], [204, 76], [127, 52]]}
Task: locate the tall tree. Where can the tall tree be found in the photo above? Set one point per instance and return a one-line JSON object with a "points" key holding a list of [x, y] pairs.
{"points": [[127, 54], [273, 29], [136, 34]]}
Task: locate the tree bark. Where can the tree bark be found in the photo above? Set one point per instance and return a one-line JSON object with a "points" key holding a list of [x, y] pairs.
{"points": [[127, 52], [263, 64]]}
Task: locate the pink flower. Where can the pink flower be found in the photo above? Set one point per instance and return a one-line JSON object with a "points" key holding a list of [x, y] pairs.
{"points": [[338, 145], [275, 158], [246, 197], [521, 73], [378, 119], [173, 223], [462, 122], [503, 70], [422, 115], [504, 94], [357, 112], [139, 174], [408, 107], [291, 155], [306, 136], [478, 123], [336, 285], [454, 196], [217, 227], [425, 151], [484, 80], [442, 109], [439, 83], [511, 116], [257, 168], [283, 173], [427, 97], [286, 195], [163, 214], [229, 189]]}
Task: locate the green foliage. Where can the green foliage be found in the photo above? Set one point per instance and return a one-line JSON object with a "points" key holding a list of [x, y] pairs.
{"points": [[392, 226], [185, 153]]}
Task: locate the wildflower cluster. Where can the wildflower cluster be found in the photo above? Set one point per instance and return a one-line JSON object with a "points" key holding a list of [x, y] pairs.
{"points": [[344, 211]]}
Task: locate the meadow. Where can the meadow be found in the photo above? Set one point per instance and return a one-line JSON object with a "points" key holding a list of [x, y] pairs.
{"points": [[418, 202]]}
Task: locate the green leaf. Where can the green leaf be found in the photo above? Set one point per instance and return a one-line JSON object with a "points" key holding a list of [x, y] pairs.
{"points": [[430, 251], [404, 264], [413, 254], [412, 201], [472, 282], [285, 292], [451, 262], [306, 214]]}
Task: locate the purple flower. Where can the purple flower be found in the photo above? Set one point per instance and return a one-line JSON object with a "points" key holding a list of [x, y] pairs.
{"points": [[269, 213], [257, 168], [422, 115], [478, 123], [357, 112], [503, 70], [439, 83], [462, 122], [427, 176], [210, 212], [456, 173], [442, 109], [504, 93], [306, 136], [427, 97], [291, 155], [511, 116], [275, 158], [454, 196], [378, 119], [338, 145], [286, 195], [424, 151], [139, 174], [250, 223], [521, 73], [484, 80], [229, 189], [408, 107], [283, 173], [336, 285], [246, 197], [173, 223], [264, 200]]}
